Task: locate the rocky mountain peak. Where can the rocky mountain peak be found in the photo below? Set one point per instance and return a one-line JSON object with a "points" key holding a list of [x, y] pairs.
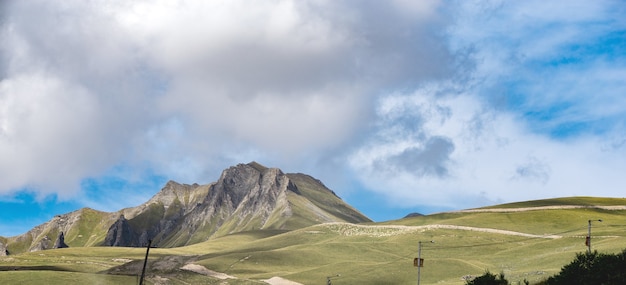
{"points": [[245, 197], [171, 192], [257, 166], [244, 181]]}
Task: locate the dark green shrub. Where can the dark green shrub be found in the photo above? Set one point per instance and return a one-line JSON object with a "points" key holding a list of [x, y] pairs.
{"points": [[488, 279], [593, 269]]}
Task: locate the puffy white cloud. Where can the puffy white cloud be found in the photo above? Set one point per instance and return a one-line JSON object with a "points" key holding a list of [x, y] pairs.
{"points": [[454, 103], [42, 137], [184, 88]]}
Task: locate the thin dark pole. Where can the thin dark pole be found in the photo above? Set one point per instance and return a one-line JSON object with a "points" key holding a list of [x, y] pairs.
{"points": [[419, 261], [145, 262], [589, 236]]}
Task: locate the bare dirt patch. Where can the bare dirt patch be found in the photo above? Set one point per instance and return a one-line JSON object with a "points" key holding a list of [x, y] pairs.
{"points": [[280, 281], [205, 271]]}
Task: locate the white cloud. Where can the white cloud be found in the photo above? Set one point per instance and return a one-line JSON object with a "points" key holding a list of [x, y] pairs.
{"points": [[43, 144], [186, 88], [456, 104], [494, 157]]}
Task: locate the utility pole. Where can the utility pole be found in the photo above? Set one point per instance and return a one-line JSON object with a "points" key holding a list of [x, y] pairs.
{"points": [[588, 241], [420, 261], [145, 262]]}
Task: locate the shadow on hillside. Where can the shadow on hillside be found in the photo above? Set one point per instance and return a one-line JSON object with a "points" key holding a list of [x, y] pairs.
{"points": [[34, 268]]}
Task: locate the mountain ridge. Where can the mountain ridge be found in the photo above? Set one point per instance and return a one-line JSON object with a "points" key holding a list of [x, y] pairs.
{"points": [[245, 197]]}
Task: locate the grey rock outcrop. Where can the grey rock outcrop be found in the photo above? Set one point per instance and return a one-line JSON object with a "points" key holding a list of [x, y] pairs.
{"points": [[60, 242], [120, 234], [3, 249], [157, 219], [43, 244]]}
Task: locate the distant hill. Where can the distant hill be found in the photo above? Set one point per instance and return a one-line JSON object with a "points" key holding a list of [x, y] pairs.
{"points": [[413, 215], [580, 201], [246, 197]]}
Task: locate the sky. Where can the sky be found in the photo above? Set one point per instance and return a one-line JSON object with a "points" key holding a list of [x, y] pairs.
{"points": [[398, 106]]}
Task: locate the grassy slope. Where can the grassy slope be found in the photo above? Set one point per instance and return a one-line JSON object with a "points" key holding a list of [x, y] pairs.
{"points": [[91, 228], [325, 199], [578, 201], [363, 254]]}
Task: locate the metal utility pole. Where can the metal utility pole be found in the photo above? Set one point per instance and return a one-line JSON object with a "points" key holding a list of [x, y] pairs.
{"points": [[420, 261], [145, 262], [588, 241]]}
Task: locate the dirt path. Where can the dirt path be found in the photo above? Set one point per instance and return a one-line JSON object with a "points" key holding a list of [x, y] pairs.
{"points": [[392, 230], [511, 210], [488, 230], [205, 271]]}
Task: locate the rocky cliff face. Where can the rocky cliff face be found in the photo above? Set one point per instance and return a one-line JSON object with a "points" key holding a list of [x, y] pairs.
{"points": [[245, 197], [120, 234], [43, 244], [60, 243], [3, 249], [157, 218]]}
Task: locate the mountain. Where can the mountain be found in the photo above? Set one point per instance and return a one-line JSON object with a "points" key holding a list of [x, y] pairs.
{"points": [[246, 197]]}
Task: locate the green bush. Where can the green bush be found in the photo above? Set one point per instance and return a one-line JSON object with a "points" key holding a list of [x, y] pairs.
{"points": [[593, 269], [488, 279]]}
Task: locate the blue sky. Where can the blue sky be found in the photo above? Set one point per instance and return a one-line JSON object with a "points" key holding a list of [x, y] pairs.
{"points": [[398, 106]]}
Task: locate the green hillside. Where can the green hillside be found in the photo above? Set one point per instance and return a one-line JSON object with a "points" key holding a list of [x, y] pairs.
{"points": [[530, 244], [566, 201], [88, 228]]}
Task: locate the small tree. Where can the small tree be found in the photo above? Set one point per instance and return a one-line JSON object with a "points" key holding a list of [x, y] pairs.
{"points": [[488, 279]]}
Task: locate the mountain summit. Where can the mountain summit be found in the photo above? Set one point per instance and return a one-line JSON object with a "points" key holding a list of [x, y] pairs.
{"points": [[246, 197]]}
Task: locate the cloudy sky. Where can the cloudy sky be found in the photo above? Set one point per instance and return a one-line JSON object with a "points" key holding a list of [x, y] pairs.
{"points": [[398, 106]]}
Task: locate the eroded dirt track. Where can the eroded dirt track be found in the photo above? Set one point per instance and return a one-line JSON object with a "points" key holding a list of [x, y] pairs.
{"points": [[512, 210]]}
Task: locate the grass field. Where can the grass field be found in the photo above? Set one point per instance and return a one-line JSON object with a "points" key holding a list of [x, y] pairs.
{"points": [[530, 245]]}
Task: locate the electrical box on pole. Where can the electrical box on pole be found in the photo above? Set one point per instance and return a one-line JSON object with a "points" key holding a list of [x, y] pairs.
{"points": [[418, 262]]}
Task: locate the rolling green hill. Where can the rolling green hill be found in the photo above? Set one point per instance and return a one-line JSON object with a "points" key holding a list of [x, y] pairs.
{"points": [[529, 240]]}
